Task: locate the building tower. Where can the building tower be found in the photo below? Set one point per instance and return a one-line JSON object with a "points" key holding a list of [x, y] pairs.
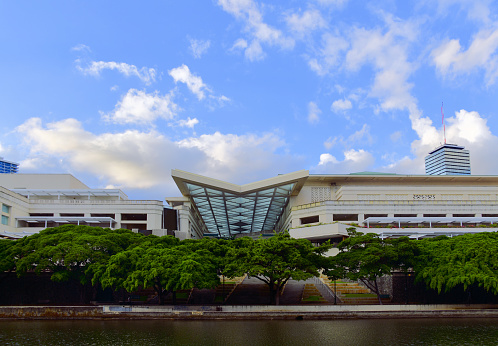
{"points": [[448, 159], [8, 167]]}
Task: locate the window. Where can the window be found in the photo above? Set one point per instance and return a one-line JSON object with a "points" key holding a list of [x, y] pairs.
{"points": [[5, 220], [134, 217], [309, 219], [5, 208]]}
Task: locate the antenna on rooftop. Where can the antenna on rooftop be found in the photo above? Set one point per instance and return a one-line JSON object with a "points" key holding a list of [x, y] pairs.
{"points": [[442, 120]]}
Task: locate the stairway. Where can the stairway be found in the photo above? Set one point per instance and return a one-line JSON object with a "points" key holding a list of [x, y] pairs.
{"points": [[311, 295], [250, 292], [352, 293]]}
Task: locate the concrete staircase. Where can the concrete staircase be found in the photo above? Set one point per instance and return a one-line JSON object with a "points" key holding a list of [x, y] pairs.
{"points": [[352, 293], [311, 295], [250, 292]]}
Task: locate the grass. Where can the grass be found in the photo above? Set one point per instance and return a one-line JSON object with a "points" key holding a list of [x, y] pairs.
{"points": [[360, 295], [313, 299]]}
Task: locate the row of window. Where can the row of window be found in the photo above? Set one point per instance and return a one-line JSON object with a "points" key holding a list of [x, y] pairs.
{"points": [[5, 218]]}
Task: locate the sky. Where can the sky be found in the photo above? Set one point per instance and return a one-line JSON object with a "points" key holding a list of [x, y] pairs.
{"points": [[120, 93]]}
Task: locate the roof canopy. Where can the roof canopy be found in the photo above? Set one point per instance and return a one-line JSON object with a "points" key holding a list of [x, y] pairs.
{"points": [[229, 209]]}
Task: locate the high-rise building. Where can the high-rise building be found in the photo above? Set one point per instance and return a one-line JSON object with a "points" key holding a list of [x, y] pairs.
{"points": [[448, 159], [8, 167]]}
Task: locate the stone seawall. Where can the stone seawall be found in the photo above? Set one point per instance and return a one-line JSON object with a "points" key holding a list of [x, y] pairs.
{"points": [[248, 312]]}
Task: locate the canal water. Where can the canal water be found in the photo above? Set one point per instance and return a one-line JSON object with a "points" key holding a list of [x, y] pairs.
{"points": [[334, 332]]}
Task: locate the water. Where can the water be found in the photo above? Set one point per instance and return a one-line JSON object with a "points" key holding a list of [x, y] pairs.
{"points": [[334, 332]]}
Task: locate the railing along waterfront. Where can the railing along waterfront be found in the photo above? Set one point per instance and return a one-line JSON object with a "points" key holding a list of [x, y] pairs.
{"points": [[388, 202], [86, 201]]}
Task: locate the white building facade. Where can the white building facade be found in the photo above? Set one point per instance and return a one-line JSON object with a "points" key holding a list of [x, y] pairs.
{"points": [[321, 207], [32, 202]]}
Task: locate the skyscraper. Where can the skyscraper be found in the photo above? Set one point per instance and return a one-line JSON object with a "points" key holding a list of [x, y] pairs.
{"points": [[448, 159], [7, 166]]}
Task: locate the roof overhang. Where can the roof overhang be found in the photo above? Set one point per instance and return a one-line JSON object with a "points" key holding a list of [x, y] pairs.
{"points": [[228, 209]]}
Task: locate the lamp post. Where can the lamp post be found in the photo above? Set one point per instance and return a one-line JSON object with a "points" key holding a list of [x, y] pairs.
{"points": [[335, 292]]}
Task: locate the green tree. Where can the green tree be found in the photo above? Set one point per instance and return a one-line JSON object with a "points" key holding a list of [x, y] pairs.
{"points": [[70, 252], [467, 260], [367, 257], [164, 267], [275, 260]]}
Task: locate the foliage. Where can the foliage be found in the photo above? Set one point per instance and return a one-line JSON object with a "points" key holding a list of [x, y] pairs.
{"points": [[467, 260], [70, 251], [275, 260], [367, 257], [6, 260], [164, 266]]}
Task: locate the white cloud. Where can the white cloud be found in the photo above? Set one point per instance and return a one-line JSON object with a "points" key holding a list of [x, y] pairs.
{"points": [[362, 135], [190, 123], [341, 105], [146, 75], [304, 24], [257, 30], [468, 129], [477, 10], [451, 60], [329, 54], [313, 113], [135, 159], [199, 47], [194, 83], [81, 48], [336, 3], [240, 44], [354, 161], [138, 107], [395, 136], [330, 143]]}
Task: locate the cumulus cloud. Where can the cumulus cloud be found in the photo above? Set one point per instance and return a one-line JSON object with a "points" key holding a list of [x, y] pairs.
{"points": [[362, 136], [341, 105], [199, 47], [313, 113], [354, 161], [135, 159], [468, 129], [257, 30], [138, 107], [329, 54], [195, 84], [81, 48], [451, 60], [305, 23], [337, 3], [190, 123], [146, 75], [395, 136]]}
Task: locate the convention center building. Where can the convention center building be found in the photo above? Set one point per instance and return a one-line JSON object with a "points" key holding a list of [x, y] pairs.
{"points": [[322, 206]]}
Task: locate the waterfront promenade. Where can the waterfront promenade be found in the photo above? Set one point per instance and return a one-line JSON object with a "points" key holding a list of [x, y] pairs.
{"points": [[229, 312]]}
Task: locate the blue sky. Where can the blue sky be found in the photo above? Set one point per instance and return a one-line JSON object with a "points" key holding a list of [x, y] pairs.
{"points": [[120, 93]]}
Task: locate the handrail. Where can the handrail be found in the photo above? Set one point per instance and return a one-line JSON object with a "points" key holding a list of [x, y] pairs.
{"points": [[80, 201], [389, 202]]}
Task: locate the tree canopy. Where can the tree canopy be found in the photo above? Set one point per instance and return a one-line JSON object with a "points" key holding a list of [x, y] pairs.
{"points": [[467, 260], [277, 259], [367, 257], [70, 251]]}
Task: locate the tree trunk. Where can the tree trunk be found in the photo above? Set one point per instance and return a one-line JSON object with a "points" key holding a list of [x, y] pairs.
{"points": [[377, 292]]}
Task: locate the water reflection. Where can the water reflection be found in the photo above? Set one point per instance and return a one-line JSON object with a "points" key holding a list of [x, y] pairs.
{"points": [[335, 332]]}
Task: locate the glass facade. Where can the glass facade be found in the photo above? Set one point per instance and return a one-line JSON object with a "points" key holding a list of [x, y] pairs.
{"points": [[448, 159], [8, 167], [5, 208], [227, 214]]}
